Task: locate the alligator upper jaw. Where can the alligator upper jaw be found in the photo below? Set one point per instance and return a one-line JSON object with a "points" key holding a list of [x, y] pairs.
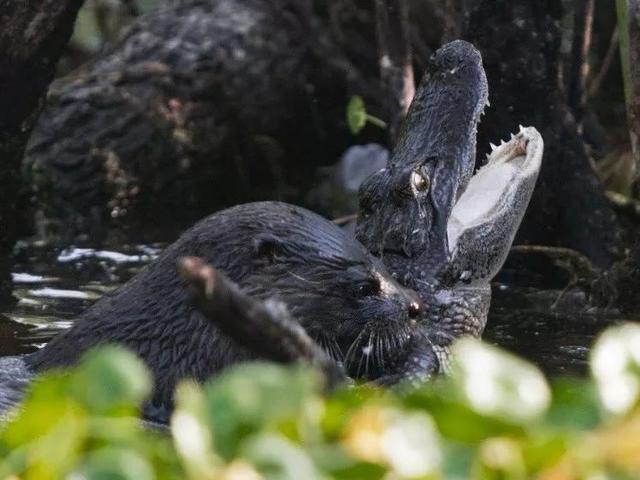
{"points": [[436, 148], [439, 134]]}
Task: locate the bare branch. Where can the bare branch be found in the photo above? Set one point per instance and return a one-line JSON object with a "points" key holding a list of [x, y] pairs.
{"points": [[265, 328], [396, 69], [583, 22], [596, 83]]}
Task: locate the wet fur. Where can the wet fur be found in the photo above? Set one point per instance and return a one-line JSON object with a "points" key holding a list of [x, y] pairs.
{"points": [[271, 250]]}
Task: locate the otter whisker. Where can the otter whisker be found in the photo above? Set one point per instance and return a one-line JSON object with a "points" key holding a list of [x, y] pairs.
{"points": [[368, 353], [358, 351], [333, 348], [379, 356], [387, 343], [352, 348], [339, 355], [295, 275]]}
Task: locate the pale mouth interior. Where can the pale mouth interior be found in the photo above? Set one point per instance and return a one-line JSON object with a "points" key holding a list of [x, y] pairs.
{"points": [[491, 186]]}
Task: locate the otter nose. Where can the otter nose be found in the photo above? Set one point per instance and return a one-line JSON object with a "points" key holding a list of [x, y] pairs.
{"points": [[415, 308]]}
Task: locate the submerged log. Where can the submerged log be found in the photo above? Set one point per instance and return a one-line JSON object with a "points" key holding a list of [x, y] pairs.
{"points": [[520, 45], [32, 38]]}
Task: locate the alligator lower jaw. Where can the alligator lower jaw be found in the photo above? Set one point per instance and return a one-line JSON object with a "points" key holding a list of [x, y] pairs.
{"points": [[503, 183], [523, 146]]}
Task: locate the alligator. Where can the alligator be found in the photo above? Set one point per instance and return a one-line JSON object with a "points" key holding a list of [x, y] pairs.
{"points": [[440, 229]]}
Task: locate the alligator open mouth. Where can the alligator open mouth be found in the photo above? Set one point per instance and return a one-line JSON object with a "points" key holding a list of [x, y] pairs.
{"points": [[404, 208], [427, 215], [499, 191]]}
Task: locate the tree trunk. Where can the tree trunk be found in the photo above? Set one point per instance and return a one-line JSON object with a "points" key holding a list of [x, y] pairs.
{"points": [[199, 105], [579, 68], [32, 38], [520, 45], [396, 69], [629, 25]]}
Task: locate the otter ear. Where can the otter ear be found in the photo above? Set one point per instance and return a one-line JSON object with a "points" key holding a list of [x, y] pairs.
{"points": [[267, 245]]}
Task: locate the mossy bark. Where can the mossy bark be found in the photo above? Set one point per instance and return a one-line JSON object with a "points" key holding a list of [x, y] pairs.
{"points": [[520, 45], [201, 104], [32, 38]]}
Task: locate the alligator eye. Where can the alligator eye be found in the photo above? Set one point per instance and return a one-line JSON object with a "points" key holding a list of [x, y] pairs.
{"points": [[370, 287], [419, 182]]}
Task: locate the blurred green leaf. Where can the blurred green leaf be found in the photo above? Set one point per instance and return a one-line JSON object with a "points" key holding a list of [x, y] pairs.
{"points": [[457, 461], [254, 396], [615, 365], [356, 114], [344, 402], [499, 384], [191, 434], [279, 459], [117, 464], [455, 419], [43, 407], [111, 377], [499, 458], [261, 421], [360, 471], [542, 451], [575, 405]]}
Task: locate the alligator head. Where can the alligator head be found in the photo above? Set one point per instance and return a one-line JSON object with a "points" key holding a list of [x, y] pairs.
{"points": [[440, 229], [404, 208]]}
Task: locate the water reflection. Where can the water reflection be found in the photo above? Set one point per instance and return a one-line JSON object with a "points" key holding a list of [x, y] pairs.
{"points": [[53, 286], [552, 328]]}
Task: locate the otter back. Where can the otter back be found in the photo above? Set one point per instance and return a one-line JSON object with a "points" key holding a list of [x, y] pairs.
{"points": [[271, 250]]}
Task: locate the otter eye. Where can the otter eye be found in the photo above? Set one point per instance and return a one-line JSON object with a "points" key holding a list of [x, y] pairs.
{"points": [[369, 287], [419, 181]]}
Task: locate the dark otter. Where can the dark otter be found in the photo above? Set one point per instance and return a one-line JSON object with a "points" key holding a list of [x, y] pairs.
{"points": [[341, 295]]}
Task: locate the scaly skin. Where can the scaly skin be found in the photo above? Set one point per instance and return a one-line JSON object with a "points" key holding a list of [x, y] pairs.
{"points": [[408, 212]]}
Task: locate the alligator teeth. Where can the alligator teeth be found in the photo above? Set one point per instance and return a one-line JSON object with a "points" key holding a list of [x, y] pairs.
{"points": [[493, 147], [512, 136], [502, 142], [488, 104], [521, 128]]}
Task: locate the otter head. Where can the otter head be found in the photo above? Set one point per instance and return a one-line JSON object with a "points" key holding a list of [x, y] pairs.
{"points": [[344, 297]]}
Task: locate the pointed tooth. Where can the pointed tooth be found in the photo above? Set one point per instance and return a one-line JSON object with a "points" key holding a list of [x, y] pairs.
{"points": [[521, 127], [488, 157], [502, 142], [488, 104], [493, 147], [512, 136]]}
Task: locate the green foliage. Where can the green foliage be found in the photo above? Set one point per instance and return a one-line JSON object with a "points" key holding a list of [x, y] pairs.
{"points": [[357, 116], [495, 416]]}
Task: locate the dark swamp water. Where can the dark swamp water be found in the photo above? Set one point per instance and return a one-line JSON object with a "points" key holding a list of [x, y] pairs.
{"points": [[551, 326]]}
